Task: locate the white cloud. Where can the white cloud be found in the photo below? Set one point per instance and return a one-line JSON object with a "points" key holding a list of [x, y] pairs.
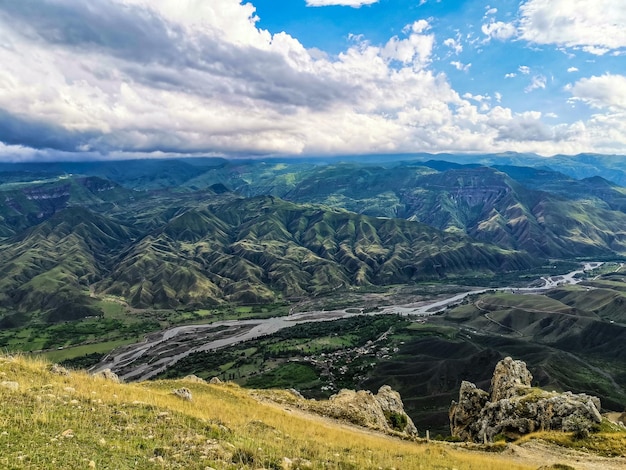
{"points": [[454, 44], [491, 11], [572, 69], [130, 78], [524, 69], [499, 30], [460, 66], [498, 96], [477, 98], [415, 49], [347, 3], [510, 75], [597, 26], [606, 91], [538, 81]]}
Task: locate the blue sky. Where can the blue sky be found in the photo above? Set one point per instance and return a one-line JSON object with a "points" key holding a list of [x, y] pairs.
{"points": [[159, 78]]}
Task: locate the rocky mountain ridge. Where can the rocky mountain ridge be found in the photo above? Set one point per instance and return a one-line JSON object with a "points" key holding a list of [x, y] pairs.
{"points": [[513, 407]]}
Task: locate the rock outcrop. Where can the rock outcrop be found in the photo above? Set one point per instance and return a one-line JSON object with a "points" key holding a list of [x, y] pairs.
{"points": [[194, 379], [513, 408], [384, 411], [10, 385], [108, 374], [183, 393]]}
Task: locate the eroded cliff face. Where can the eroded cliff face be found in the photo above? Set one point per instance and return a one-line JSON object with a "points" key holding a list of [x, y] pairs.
{"points": [[514, 408]]}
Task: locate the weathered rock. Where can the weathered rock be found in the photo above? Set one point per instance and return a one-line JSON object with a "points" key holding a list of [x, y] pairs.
{"points": [[194, 379], [509, 377], [108, 374], [59, 370], [215, 380], [393, 409], [384, 411], [183, 393], [295, 393], [295, 464], [515, 409], [10, 385], [465, 413]]}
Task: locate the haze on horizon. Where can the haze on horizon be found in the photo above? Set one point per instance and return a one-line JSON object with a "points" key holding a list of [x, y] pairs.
{"points": [[149, 78]]}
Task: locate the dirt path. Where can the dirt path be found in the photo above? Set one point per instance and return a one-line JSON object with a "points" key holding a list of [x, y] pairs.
{"points": [[541, 453], [535, 453]]}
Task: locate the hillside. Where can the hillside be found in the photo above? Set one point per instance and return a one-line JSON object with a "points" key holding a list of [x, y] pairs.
{"points": [[544, 213], [193, 250], [572, 337], [518, 203], [53, 420], [537, 209]]}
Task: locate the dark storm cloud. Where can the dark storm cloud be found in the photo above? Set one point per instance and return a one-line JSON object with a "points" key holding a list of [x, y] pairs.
{"points": [[245, 73], [124, 31], [158, 54], [17, 130]]}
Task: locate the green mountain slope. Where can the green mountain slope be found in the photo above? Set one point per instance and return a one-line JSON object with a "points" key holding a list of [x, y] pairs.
{"points": [[25, 204], [263, 249], [48, 269], [192, 249], [539, 210]]}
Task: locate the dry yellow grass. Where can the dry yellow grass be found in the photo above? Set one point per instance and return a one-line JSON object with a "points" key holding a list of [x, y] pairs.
{"points": [[78, 421]]}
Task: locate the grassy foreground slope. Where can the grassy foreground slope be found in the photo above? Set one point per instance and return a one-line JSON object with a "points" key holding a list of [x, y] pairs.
{"points": [[57, 421]]}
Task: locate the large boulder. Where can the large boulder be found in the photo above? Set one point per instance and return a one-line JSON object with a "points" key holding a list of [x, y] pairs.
{"points": [[393, 409], [514, 408], [108, 374], [383, 411]]}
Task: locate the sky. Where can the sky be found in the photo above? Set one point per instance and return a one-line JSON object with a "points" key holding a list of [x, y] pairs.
{"points": [[99, 79]]}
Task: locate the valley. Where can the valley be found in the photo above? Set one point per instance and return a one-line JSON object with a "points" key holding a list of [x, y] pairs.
{"points": [[162, 350], [426, 273], [436, 340], [313, 234]]}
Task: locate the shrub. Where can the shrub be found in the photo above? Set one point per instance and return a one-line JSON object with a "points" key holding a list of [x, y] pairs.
{"points": [[578, 426], [397, 421]]}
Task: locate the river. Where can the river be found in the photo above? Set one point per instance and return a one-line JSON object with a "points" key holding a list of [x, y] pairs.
{"points": [[142, 361]]}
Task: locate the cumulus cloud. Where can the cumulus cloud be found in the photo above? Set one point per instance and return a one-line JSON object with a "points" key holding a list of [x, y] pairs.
{"points": [[606, 91], [349, 3], [597, 26], [416, 48], [525, 126], [498, 30], [524, 69], [572, 69], [121, 78], [460, 66], [454, 44]]}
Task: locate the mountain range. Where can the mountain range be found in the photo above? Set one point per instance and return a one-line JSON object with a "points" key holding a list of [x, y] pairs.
{"points": [[183, 233]]}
